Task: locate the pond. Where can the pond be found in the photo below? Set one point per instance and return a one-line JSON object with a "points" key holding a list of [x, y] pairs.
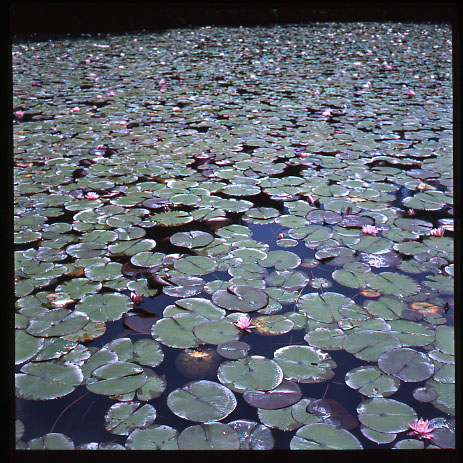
{"points": [[235, 238]]}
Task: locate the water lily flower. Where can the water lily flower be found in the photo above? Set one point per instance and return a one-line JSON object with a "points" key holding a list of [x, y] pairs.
{"points": [[411, 212], [370, 230], [162, 82], [111, 93], [244, 324], [19, 114], [92, 195], [136, 298], [327, 113], [76, 109], [421, 429], [411, 93], [438, 231]]}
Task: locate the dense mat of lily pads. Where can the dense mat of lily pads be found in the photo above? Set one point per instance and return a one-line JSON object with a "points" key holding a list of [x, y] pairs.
{"points": [[235, 238]]}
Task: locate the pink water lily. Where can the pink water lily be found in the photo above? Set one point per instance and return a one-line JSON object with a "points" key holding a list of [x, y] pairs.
{"points": [[370, 230], [136, 298], [19, 114], [92, 195], [421, 429], [438, 231], [245, 324]]}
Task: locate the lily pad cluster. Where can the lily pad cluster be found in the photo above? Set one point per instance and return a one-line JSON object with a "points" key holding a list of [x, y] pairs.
{"points": [[251, 210]]}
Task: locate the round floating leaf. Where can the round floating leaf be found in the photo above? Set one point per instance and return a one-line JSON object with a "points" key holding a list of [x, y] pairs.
{"points": [[147, 259], [272, 324], [323, 307], [195, 265], [281, 260], [155, 437], [86, 250], [369, 344], [208, 436], [288, 279], [47, 380], [252, 435], [233, 349], [57, 322], [423, 394], [104, 307], [371, 382], [377, 437], [51, 441], [325, 338], [216, 331], [240, 298], [192, 240], [78, 288], [322, 436], [280, 418], [176, 331], [198, 306], [123, 417], [26, 346], [148, 352], [386, 415], [393, 283], [250, 373], [139, 322], [202, 401], [285, 394], [184, 286], [155, 385], [104, 271], [411, 333], [305, 364], [171, 218], [350, 279], [406, 364], [116, 378]]}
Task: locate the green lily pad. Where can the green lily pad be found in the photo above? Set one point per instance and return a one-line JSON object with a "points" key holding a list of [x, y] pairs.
{"points": [[322, 436], [393, 283], [386, 415], [372, 382], [250, 373], [57, 322], [195, 265], [116, 378], [154, 437], [252, 435], [123, 417], [305, 364], [406, 364], [281, 260], [47, 380], [241, 298], [369, 344], [209, 436], [104, 307], [285, 394], [202, 401], [216, 331], [176, 330], [192, 240]]}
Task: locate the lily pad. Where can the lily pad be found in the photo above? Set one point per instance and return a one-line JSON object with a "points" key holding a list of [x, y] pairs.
{"points": [[240, 298], [202, 401], [122, 418], [154, 437], [209, 436], [406, 364], [252, 435], [250, 373], [386, 415], [285, 394], [47, 380], [371, 382], [305, 364], [321, 436]]}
